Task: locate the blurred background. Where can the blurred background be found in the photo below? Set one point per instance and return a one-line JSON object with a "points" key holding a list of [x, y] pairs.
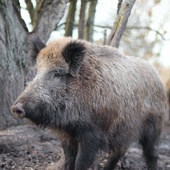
{"points": [[147, 29]]}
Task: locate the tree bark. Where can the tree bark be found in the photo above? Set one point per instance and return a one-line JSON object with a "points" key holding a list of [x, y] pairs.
{"points": [[70, 18], [120, 23], [14, 66], [48, 14], [81, 27], [12, 57], [118, 6], [30, 9], [90, 20]]}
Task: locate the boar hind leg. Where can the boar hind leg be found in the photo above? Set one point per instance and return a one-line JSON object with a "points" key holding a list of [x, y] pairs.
{"points": [[149, 141], [70, 151], [115, 155], [149, 152]]}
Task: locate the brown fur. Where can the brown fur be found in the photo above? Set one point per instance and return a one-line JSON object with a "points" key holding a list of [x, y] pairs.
{"points": [[104, 100]]}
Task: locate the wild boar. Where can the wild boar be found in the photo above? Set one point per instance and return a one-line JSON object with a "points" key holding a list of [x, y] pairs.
{"points": [[94, 98]]}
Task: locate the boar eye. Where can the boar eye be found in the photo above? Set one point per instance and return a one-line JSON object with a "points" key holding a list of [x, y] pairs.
{"points": [[56, 74]]}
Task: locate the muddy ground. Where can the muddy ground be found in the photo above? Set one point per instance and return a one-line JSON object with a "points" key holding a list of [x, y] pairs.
{"points": [[29, 148]]}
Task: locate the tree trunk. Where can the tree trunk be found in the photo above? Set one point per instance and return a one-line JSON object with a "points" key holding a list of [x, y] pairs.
{"points": [[90, 20], [14, 69], [12, 66], [49, 14], [70, 18], [81, 27], [120, 23]]}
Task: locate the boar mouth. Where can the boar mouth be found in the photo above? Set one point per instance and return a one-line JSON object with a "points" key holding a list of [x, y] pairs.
{"points": [[46, 116]]}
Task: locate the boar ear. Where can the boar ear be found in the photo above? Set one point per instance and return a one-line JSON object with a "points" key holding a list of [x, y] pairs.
{"points": [[35, 46], [73, 54]]}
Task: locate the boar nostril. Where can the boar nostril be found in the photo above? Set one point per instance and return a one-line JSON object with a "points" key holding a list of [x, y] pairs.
{"points": [[18, 110]]}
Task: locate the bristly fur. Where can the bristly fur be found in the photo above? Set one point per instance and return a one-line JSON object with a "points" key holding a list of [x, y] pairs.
{"points": [[73, 54]]}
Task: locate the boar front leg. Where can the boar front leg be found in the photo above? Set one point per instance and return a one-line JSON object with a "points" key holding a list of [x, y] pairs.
{"points": [[115, 156], [89, 146], [70, 151]]}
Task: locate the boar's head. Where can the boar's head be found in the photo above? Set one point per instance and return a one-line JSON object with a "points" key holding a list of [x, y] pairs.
{"points": [[46, 98]]}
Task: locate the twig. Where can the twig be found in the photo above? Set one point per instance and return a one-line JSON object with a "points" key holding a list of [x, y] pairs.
{"points": [[150, 29], [131, 27]]}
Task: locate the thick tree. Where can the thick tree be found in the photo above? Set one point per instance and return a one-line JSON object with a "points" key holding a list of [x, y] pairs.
{"points": [[123, 13], [14, 67], [90, 20], [82, 19], [70, 18]]}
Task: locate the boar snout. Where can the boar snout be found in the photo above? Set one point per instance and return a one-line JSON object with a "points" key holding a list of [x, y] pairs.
{"points": [[18, 110]]}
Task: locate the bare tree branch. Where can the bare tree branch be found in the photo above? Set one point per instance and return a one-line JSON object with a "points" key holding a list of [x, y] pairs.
{"points": [[60, 25], [103, 26], [137, 28], [38, 12], [49, 15], [120, 23], [131, 27], [148, 28]]}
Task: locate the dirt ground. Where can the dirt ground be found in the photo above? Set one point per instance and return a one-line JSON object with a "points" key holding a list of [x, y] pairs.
{"points": [[28, 148]]}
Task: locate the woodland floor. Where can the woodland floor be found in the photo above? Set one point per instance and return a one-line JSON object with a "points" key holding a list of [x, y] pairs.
{"points": [[29, 148]]}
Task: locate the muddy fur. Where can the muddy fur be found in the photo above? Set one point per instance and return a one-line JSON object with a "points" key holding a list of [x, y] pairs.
{"points": [[95, 98]]}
